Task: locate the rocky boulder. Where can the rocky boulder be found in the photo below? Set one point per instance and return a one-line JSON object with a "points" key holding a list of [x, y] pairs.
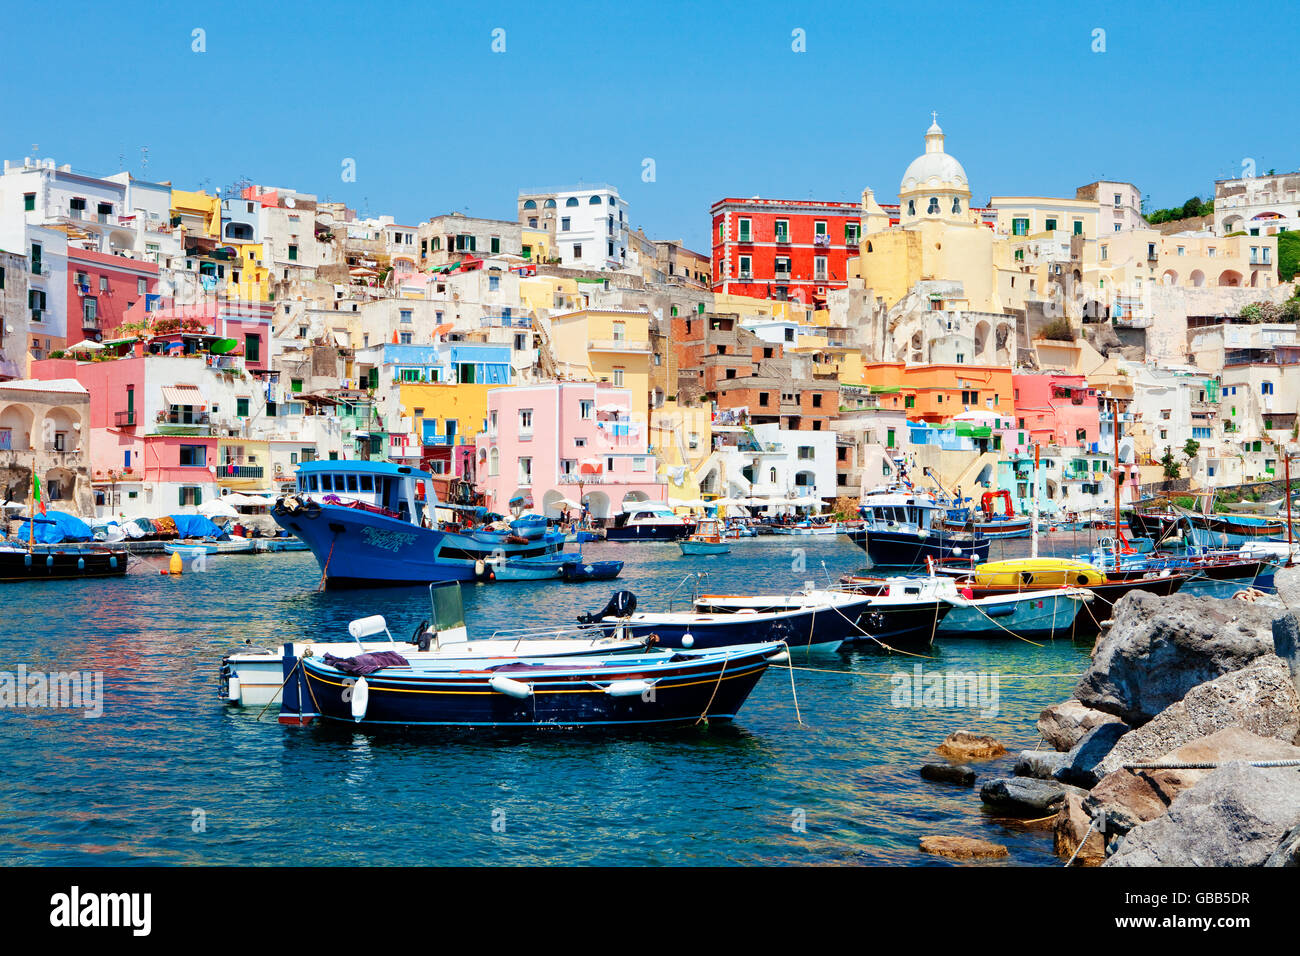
{"points": [[1026, 796], [1126, 798], [1064, 725], [1081, 763], [1159, 648], [1237, 816], [963, 848], [1288, 854], [1041, 764], [1259, 698], [1074, 826], [962, 745], [959, 774], [1286, 628]]}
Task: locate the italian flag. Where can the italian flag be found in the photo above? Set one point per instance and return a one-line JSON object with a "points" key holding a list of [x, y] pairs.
{"points": [[36, 492]]}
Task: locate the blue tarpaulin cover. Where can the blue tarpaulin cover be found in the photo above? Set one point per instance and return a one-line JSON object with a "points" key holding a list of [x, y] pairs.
{"points": [[196, 526], [55, 528]]}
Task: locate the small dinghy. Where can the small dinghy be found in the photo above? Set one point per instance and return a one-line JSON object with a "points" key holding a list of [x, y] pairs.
{"points": [[707, 539]]}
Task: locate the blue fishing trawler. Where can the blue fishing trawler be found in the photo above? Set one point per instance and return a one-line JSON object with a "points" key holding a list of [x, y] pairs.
{"points": [[374, 523]]}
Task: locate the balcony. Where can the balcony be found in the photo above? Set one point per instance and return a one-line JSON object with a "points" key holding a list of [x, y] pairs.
{"points": [[124, 419], [618, 345], [231, 470], [783, 238], [58, 448]]}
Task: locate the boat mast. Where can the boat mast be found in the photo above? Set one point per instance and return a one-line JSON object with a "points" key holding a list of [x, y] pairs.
{"points": [[1119, 478], [1033, 510]]}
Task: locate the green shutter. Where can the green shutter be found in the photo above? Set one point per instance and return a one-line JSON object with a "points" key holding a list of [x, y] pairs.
{"points": [[496, 245]]}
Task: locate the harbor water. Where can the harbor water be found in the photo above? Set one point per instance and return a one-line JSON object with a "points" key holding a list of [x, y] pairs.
{"points": [[170, 775]]}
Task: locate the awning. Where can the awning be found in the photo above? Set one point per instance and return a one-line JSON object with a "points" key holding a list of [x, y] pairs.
{"points": [[183, 395], [341, 339]]}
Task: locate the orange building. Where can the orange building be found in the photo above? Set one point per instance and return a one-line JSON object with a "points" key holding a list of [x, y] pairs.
{"points": [[936, 393]]}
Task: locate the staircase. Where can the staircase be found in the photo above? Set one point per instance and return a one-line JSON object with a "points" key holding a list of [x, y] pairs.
{"points": [[545, 355]]}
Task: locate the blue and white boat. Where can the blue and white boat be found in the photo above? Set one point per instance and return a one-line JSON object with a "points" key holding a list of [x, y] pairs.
{"points": [[374, 523], [901, 529], [546, 568]]}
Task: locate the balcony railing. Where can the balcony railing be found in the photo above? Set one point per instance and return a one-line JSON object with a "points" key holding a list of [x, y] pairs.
{"points": [[618, 345], [124, 419], [231, 470], [58, 448]]}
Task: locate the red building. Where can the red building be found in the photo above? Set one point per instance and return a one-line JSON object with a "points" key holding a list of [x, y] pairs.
{"points": [[789, 248], [102, 289]]}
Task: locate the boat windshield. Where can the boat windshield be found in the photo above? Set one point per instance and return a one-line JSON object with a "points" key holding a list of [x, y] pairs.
{"points": [[448, 610]]}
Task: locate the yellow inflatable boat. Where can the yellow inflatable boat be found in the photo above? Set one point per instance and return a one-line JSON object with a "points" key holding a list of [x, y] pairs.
{"points": [[1038, 572]]}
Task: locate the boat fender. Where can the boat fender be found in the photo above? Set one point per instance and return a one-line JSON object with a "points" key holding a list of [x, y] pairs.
{"points": [[780, 657], [629, 688], [688, 639], [360, 699], [923, 534], [956, 552], [27, 560], [233, 689], [81, 564], [479, 568], [49, 560], [511, 688], [112, 562]]}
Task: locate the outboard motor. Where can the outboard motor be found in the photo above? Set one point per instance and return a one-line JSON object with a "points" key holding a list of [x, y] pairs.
{"points": [[621, 604]]}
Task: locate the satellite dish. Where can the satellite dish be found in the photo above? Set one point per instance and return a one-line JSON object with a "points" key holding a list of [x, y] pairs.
{"points": [[288, 201]]}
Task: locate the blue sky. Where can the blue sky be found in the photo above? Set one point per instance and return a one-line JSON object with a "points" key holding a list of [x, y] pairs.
{"points": [[714, 94]]}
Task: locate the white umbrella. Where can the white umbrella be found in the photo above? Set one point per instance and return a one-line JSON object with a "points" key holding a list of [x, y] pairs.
{"points": [[569, 503], [217, 508], [727, 502]]}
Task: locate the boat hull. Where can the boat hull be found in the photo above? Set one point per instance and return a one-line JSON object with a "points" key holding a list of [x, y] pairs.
{"points": [[703, 547], [358, 548], [577, 571], [1035, 614], [905, 549], [648, 532], [63, 564], [685, 690]]}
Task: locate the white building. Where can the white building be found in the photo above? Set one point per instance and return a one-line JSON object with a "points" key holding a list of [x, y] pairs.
{"points": [[590, 224], [1258, 205]]}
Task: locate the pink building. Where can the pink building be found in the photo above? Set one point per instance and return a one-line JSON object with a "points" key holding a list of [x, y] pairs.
{"points": [[102, 289], [1056, 409], [565, 440]]}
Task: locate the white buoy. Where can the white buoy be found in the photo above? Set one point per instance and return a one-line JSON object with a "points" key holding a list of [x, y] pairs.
{"points": [[628, 688], [956, 552], [233, 689], [360, 699], [780, 657], [511, 688], [688, 640]]}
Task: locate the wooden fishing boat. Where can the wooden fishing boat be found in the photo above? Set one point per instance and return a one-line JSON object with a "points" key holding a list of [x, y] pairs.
{"points": [[63, 561], [661, 687], [252, 677], [706, 539], [899, 530]]}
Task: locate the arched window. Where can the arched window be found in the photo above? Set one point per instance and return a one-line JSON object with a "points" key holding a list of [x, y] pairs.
{"points": [[571, 201], [772, 475], [956, 207], [593, 201], [933, 208], [549, 204], [532, 223], [611, 200], [530, 204], [911, 207]]}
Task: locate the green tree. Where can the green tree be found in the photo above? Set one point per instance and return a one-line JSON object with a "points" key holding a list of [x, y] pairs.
{"points": [[1172, 468]]}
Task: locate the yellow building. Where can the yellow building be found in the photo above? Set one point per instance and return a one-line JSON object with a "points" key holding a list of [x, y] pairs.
{"points": [[451, 413], [250, 280], [243, 464], [748, 309], [607, 345], [537, 244], [199, 213], [542, 294], [937, 237], [1133, 262], [681, 437]]}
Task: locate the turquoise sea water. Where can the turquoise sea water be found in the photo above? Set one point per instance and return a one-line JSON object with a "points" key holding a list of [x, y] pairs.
{"points": [[170, 775]]}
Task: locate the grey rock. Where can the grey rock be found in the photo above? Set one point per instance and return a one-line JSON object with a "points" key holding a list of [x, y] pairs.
{"points": [[1237, 816], [1026, 795], [1287, 583], [1259, 698], [1286, 644], [1041, 764], [949, 773], [1159, 648], [1288, 853], [1064, 725], [1081, 763], [1125, 798]]}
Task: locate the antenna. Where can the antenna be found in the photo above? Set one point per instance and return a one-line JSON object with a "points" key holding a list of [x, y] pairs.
{"points": [[144, 160]]}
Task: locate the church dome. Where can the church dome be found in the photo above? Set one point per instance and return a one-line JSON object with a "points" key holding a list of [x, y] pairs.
{"points": [[934, 169]]}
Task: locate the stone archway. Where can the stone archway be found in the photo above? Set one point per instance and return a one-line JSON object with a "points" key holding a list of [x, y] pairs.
{"points": [[1230, 278], [61, 430], [1169, 278], [1197, 278], [597, 503], [16, 428]]}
